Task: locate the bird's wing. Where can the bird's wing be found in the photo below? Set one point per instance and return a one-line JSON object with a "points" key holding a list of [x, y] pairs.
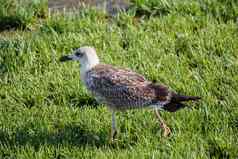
{"points": [[124, 88]]}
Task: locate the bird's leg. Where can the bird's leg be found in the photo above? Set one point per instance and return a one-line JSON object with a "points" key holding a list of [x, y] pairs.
{"points": [[113, 128], [167, 130]]}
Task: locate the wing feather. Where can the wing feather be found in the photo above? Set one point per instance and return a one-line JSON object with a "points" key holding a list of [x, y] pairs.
{"points": [[123, 88]]}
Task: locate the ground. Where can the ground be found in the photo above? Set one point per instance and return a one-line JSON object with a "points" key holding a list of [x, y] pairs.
{"points": [[191, 46]]}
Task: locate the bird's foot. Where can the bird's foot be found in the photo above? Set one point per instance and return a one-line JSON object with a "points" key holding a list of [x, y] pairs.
{"points": [[166, 129], [113, 134]]}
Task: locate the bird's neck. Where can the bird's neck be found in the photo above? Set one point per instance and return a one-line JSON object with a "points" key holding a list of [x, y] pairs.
{"points": [[85, 67]]}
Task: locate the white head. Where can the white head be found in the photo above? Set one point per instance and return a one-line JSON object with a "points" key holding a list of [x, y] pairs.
{"points": [[85, 55]]}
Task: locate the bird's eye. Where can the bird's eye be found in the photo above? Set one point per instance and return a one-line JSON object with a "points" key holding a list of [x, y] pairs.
{"points": [[79, 54]]}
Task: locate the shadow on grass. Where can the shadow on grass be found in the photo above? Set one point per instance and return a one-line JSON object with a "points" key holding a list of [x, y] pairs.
{"points": [[11, 22], [70, 135]]}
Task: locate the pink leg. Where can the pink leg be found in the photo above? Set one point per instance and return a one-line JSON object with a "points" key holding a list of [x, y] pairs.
{"points": [[167, 130]]}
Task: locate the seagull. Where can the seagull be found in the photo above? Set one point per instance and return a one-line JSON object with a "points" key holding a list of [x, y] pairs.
{"points": [[122, 89]]}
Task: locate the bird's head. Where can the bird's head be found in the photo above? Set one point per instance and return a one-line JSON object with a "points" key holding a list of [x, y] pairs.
{"points": [[85, 55]]}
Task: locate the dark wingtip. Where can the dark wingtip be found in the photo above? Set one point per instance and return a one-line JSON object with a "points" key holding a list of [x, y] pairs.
{"points": [[64, 58], [179, 98]]}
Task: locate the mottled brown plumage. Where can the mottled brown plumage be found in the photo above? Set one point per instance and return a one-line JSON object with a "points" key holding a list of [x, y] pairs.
{"points": [[122, 89]]}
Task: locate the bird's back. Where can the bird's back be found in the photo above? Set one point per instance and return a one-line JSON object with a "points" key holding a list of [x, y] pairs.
{"points": [[124, 89]]}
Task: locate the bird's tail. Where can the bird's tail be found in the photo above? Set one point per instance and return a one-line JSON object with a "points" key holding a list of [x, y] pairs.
{"points": [[181, 98], [176, 102]]}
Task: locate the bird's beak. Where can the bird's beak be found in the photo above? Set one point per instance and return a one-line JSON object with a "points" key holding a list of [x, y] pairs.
{"points": [[66, 58]]}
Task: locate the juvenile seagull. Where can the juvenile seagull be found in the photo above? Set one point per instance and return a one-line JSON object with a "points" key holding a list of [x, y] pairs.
{"points": [[121, 89]]}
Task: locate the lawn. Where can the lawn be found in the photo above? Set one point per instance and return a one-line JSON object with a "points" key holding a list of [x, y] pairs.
{"points": [[191, 46]]}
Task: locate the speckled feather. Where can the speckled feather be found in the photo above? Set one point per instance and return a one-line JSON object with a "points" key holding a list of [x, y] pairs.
{"points": [[122, 89]]}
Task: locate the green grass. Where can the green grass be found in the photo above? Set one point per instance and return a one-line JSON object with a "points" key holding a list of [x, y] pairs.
{"points": [[21, 14], [218, 9], [45, 112]]}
